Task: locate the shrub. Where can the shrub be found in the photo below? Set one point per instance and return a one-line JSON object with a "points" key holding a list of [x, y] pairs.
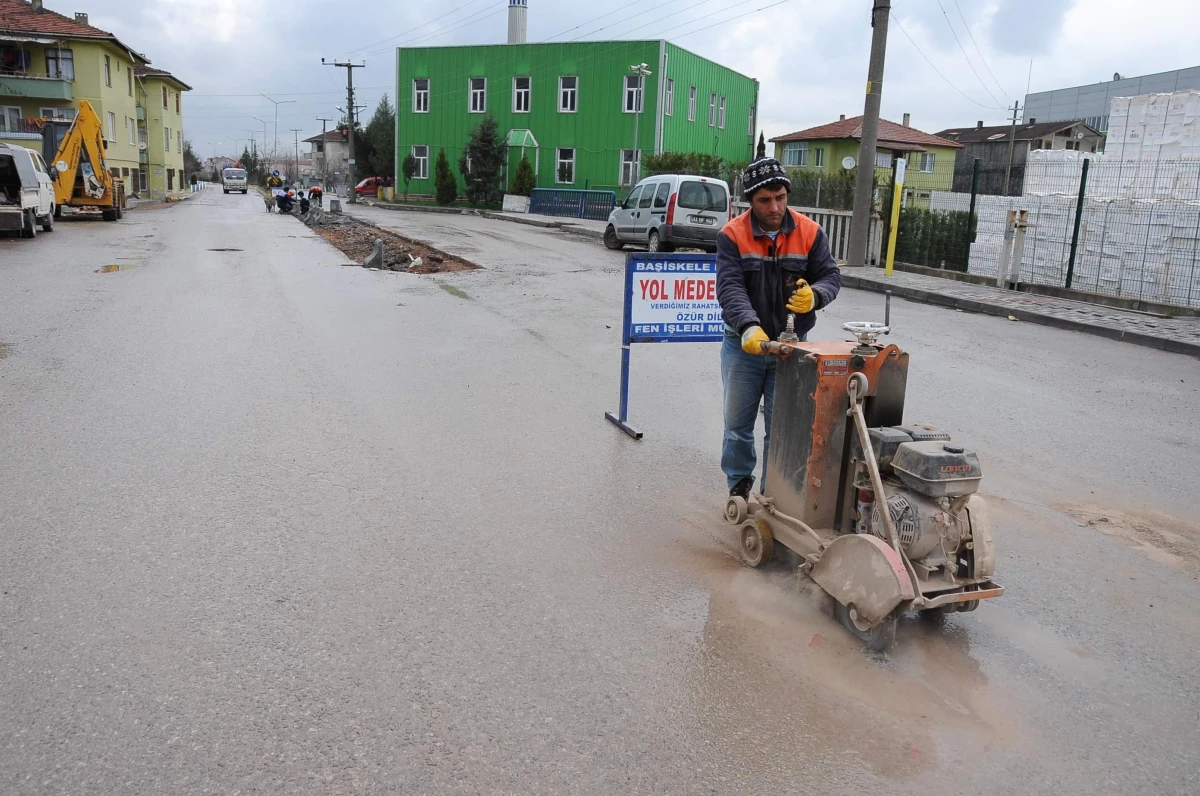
{"points": [[934, 238], [524, 181], [445, 186]]}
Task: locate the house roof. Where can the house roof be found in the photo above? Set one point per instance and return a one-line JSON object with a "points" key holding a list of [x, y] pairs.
{"points": [[891, 135], [161, 74], [333, 136], [19, 17], [999, 132]]}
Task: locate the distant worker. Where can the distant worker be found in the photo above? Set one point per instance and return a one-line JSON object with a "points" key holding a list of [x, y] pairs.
{"points": [[771, 261]]}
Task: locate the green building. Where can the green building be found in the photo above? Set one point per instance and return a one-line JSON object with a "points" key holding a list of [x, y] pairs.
{"points": [[573, 108]]}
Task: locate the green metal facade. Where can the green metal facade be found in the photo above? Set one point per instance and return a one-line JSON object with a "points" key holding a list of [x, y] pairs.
{"points": [[599, 128]]}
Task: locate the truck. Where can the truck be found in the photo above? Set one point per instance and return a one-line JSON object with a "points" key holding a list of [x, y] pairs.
{"points": [[74, 148], [233, 178], [26, 192]]}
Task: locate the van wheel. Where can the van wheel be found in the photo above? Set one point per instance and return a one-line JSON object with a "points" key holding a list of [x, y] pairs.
{"points": [[48, 221], [610, 238], [655, 244], [29, 228]]}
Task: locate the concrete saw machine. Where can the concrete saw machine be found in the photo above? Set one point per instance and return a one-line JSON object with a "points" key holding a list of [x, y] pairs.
{"points": [[883, 515]]}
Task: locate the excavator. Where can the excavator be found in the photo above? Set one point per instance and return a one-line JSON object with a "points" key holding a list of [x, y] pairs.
{"points": [[74, 150]]}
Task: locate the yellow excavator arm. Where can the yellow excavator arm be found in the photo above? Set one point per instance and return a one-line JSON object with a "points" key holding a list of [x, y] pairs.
{"points": [[81, 176]]}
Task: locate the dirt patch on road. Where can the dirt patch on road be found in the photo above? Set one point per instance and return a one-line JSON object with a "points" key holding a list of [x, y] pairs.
{"points": [[356, 239], [4, 347], [1161, 537]]}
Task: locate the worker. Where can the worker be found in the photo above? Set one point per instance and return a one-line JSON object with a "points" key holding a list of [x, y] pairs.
{"points": [[771, 262]]}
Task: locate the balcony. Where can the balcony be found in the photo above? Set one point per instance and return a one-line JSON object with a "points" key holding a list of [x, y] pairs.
{"points": [[144, 157], [141, 113], [35, 87]]}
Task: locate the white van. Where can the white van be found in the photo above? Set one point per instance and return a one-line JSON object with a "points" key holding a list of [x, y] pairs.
{"points": [[234, 180], [26, 191], [671, 211]]}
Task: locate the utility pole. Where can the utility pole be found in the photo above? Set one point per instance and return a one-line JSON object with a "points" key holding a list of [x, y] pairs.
{"points": [[296, 135], [324, 153], [864, 188], [275, 129], [1012, 142], [349, 66]]}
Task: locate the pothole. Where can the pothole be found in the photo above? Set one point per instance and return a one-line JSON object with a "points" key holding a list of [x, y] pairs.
{"points": [[224, 250], [109, 269]]}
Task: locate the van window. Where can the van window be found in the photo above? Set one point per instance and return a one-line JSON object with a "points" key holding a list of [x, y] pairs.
{"points": [[664, 193], [632, 199], [647, 195], [703, 196], [235, 174]]}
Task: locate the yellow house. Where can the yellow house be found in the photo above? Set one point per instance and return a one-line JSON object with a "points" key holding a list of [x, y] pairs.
{"points": [[160, 126], [48, 62]]}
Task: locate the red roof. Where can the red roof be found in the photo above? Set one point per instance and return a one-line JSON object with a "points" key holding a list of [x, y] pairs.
{"points": [[150, 71], [891, 135], [18, 16]]}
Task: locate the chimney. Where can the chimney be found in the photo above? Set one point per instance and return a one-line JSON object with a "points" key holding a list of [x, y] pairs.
{"points": [[36, 5], [842, 118], [81, 18], [517, 9], [907, 119], [979, 124]]}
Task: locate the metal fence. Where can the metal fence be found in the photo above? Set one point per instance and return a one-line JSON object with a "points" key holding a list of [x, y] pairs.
{"points": [[594, 205], [1123, 228]]}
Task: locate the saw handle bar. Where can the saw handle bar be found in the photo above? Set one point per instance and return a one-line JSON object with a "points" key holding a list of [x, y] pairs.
{"points": [[857, 388]]}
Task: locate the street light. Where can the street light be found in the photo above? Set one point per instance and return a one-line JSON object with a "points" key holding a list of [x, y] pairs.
{"points": [[264, 124], [642, 71], [275, 143]]}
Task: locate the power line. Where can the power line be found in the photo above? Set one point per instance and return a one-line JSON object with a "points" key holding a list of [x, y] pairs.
{"points": [[590, 21], [641, 24], [981, 58], [939, 72], [459, 25], [418, 27], [668, 16], [723, 21], [964, 52]]}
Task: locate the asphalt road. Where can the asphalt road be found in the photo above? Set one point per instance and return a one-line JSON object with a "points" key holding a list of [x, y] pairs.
{"points": [[272, 525]]}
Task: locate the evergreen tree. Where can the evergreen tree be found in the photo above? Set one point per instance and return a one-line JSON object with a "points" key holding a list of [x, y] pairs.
{"points": [[482, 163], [380, 138], [525, 180], [445, 186], [762, 147], [408, 170]]}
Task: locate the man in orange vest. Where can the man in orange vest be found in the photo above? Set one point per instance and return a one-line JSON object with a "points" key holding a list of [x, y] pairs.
{"points": [[771, 261]]}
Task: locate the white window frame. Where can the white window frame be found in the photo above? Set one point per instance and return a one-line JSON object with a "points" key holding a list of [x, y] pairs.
{"points": [[422, 162], [797, 148], [58, 113], [420, 97], [6, 115], [818, 157], [712, 109], [166, 139], [753, 111], [179, 140], [691, 103], [476, 93], [634, 168], [928, 159], [635, 89], [560, 160], [112, 127], [108, 71], [568, 98], [721, 114], [669, 100], [883, 160], [132, 125], [520, 94], [129, 79]]}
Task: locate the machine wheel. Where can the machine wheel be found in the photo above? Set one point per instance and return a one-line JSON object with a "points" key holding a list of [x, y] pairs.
{"points": [[225, 190], [109, 214], [610, 238], [757, 544], [48, 221], [878, 638], [243, 193], [58, 211], [29, 228], [120, 212], [735, 510]]}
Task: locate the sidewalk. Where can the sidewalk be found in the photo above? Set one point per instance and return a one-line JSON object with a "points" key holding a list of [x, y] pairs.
{"points": [[577, 226], [1179, 335]]}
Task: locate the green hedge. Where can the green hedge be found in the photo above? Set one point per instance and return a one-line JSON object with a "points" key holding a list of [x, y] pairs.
{"points": [[936, 239]]}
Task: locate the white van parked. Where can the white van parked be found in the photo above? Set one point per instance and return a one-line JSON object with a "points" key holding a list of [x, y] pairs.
{"points": [[671, 211], [26, 191], [234, 180]]}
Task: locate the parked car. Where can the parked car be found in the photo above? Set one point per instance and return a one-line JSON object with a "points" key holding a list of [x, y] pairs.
{"points": [[671, 211], [368, 186], [26, 191]]}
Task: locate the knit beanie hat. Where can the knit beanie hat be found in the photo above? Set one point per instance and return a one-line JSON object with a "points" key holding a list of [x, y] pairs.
{"points": [[763, 171]]}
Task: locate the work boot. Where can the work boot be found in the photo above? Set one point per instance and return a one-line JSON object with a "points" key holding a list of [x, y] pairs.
{"points": [[742, 488]]}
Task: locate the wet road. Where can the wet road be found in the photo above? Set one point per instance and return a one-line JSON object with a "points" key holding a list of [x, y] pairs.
{"points": [[276, 526]]}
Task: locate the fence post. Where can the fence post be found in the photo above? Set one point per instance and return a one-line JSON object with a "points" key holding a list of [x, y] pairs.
{"points": [[818, 192], [1078, 216], [971, 213]]}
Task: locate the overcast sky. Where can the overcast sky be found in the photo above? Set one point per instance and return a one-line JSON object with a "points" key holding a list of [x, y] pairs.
{"points": [[809, 55]]}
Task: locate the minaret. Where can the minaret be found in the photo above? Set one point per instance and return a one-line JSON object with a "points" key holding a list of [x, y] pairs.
{"points": [[517, 9]]}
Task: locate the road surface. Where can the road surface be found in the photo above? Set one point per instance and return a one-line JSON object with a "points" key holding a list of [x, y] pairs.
{"points": [[274, 525]]}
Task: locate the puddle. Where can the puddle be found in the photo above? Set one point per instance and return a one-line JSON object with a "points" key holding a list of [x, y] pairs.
{"points": [[108, 269]]}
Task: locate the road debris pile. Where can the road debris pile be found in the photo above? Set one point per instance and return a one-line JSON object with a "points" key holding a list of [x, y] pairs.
{"points": [[357, 241]]}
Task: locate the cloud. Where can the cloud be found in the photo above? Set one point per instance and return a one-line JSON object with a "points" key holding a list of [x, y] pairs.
{"points": [[1027, 27]]}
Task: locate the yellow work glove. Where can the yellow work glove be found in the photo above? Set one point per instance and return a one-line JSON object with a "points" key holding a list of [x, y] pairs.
{"points": [[753, 339], [802, 300]]}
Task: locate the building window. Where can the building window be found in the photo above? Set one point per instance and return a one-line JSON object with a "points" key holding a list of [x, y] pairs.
{"points": [[60, 63], [478, 86], [179, 140], [108, 71], [132, 125], [669, 104], [112, 126], [568, 88], [165, 105], [421, 155], [752, 120], [712, 110], [167, 139], [633, 93], [178, 94], [10, 119], [692, 104], [819, 158], [142, 181], [521, 94], [421, 95], [883, 160], [129, 79], [795, 153], [142, 137], [58, 113], [721, 114], [566, 167], [927, 159], [631, 166], [170, 179]]}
